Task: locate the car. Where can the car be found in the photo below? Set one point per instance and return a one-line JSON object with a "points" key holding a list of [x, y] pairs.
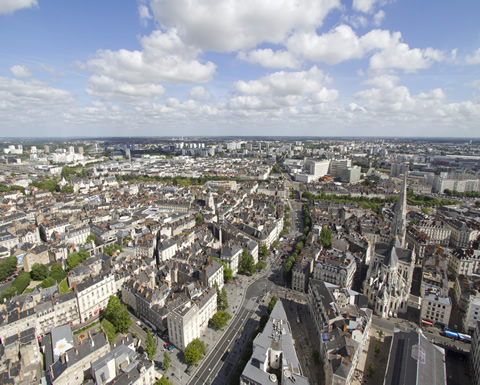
{"points": [[165, 345], [139, 323], [187, 372], [170, 347]]}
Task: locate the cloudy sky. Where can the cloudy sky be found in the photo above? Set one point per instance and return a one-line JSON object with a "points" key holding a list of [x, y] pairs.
{"points": [[240, 67]]}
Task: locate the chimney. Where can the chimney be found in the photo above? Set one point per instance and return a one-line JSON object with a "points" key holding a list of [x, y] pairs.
{"points": [[348, 316]]}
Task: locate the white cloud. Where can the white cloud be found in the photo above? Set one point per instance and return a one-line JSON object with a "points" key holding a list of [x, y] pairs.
{"points": [[199, 93], [33, 91], [231, 25], [342, 43], [473, 59], [52, 71], [164, 58], [476, 84], [338, 45], [10, 6], [20, 71], [364, 6], [107, 88], [378, 18], [144, 14], [286, 89], [270, 59], [400, 56]]}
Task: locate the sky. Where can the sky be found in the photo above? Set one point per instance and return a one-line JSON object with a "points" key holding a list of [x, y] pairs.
{"points": [[239, 67]]}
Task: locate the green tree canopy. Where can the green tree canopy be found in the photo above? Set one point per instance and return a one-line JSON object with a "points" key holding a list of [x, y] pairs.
{"points": [[326, 237], [260, 265], [247, 263], [222, 298], [163, 381], [112, 248], [151, 346], [166, 360], [220, 319], [117, 314], [264, 251], [271, 304], [194, 351], [47, 282], [109, 330], [39, 272], [7, 267], [199, 219]]}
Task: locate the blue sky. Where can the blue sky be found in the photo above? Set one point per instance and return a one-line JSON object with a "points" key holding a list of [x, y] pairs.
{"points": [[239, 67]]}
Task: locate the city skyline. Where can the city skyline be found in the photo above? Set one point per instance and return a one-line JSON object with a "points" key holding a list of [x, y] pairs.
{"points": [[165, 68]]}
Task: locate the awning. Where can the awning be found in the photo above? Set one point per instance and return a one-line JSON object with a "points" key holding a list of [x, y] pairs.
{"points": [[425, 322]]}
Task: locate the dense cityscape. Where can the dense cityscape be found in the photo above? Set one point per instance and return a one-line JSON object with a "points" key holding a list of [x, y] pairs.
{"points": [[239, 192], [239, 261]]}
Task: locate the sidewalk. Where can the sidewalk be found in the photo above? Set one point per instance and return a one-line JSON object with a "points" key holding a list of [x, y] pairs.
{"points": [[235, 294]]}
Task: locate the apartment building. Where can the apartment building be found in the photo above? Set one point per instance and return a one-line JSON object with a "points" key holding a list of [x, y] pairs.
{"points": [[93, 295], [464, 261], [335, 267], [187, 321], [342, 322]]}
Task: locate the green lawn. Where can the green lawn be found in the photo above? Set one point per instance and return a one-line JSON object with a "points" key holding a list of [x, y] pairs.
{"points": [[64, 287]]}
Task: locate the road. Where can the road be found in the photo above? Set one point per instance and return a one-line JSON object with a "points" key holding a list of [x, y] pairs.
{"points": [[210, 367], [387, 325]]}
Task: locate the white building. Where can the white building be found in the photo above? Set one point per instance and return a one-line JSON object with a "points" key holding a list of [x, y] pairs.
{"points": [[335, 267], [93, 295], [187, 321]]}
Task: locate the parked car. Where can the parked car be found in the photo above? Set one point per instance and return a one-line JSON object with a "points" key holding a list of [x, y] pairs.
{"points": [[170, 347], [166, 344]]}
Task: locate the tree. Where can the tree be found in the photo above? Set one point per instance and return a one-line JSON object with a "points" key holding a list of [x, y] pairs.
{"points": [[47, 282], [67, 189], [264, 251], [194, 351], [247, 263], [163, 381], [220, 319], [166, 361], [151, 346], [316, 356], [199, 219], [275, 245], [7, 267], [117, 314], [227, 274], [112, 248], [271, 304], [39, 272], [90, 238], [287, 224], [222, 298], [260, 265], [326, 237], [57, 273], [377, 349], [371, 368], [109, 330]]}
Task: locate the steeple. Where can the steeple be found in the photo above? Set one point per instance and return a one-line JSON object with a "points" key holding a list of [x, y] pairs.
{"points": [[400, 222]]}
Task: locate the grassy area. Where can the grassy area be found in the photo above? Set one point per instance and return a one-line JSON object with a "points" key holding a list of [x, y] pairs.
{"points": [[28, 290], [86, 327], [64, 287]]}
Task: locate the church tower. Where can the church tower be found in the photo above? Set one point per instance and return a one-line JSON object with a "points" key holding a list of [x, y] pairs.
{"points": [[400, 221]]}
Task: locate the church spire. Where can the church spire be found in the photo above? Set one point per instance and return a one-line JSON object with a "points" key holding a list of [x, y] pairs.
{"points": [[400, 225]]}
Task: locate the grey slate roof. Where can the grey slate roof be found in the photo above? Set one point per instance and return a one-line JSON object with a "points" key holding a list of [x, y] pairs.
{"points": [[414, 360]]}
